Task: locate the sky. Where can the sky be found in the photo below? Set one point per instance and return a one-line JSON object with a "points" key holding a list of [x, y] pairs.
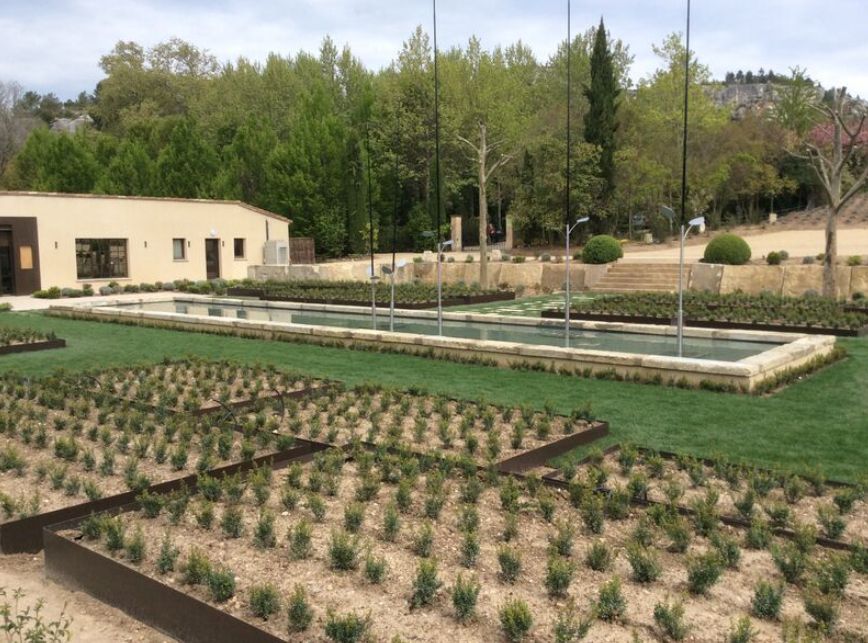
{"points": [[55, 45]]}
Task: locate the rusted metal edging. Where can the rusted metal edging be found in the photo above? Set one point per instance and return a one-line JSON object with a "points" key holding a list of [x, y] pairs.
{"points": [[25, 535], [30, 347], [541, 455], [146, 599]]}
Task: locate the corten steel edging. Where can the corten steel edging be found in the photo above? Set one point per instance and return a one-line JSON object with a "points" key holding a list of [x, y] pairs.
{"points": [[539, 456], [30, 347], [464, 300], [562, 484], [25, 535], [146, 599], [706, 323]]}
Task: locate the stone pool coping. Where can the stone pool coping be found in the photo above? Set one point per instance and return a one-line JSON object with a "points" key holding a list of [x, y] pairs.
{"points": [[745, 374]]}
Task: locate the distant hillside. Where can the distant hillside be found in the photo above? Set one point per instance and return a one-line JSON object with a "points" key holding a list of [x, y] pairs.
{"points": [[750, 98]]}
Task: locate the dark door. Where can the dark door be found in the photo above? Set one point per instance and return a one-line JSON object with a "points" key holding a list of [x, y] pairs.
{"points": [[212, 258], [7, 275]]}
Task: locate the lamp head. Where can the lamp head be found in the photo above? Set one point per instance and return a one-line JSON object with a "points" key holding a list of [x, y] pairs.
{"points": [[446, 244], [697, 222], [583, 220]]}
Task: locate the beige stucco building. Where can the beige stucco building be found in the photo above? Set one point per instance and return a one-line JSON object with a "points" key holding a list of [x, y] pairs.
{"points": [[68, 240]]}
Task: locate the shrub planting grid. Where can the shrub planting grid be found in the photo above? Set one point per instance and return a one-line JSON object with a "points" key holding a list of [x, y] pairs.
{"points": [[805, 511], [388, 603], [414, 421], [62, 426]]}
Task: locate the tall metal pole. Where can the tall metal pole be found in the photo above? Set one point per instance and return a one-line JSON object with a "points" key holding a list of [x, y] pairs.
{"points": [[683, 188], [681, 295], [394, 240], [371, 234], [437, 177], [567, 212]]}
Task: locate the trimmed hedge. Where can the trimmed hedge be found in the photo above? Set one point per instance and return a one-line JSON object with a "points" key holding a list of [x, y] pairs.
{"points": [[729, 249], [602, 249]]}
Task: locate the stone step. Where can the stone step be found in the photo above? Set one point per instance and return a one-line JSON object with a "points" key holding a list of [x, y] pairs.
{"points": [[622, 289]]}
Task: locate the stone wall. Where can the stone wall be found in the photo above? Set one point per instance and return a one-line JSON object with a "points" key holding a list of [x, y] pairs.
{"points": [[787, 280]]}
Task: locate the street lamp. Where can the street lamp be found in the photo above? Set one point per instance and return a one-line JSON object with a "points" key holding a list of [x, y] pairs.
{"points": [[569, 229], [387, 270], [698, 222], [374, 280], [441, 246]]}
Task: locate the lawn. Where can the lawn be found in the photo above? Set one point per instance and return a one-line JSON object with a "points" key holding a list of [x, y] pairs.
{"points": [[821, 421]]}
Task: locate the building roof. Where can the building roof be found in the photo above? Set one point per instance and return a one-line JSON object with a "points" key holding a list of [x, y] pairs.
{"points": [[241, 204]]}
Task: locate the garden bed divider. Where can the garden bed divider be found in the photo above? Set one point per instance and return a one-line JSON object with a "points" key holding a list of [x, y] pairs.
{"points": [[172, 611], [705, 323], [538, 457], [29, 347], [25, 535], [465, 300]]}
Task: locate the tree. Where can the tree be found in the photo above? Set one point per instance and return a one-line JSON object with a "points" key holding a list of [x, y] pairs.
{"points": [[601, 118], [130, 171], [837, 150], [186, 166], [14, 125]]}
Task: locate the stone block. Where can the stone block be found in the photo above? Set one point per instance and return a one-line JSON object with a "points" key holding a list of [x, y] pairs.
{"points": [[859, 280], [752, 280]]}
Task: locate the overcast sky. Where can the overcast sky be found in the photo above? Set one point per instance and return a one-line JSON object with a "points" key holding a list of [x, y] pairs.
{"points": [[55, 45]]}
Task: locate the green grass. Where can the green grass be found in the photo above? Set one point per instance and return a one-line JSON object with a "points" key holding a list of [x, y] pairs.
{"points": [[822, 420]]}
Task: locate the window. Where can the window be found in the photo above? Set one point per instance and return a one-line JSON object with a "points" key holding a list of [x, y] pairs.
{"points": [[179, 249], [239, 248], [101, 258]]}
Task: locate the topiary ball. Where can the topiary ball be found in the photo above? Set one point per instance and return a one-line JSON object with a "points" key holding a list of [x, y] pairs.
{"points": [[729, 249], [602, 249]]}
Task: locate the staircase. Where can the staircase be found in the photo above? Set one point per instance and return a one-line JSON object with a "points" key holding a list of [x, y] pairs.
{"points": [[641, 277]]}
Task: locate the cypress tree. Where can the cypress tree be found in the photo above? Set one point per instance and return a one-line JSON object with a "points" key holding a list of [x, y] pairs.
{"points": [[601, 118]]}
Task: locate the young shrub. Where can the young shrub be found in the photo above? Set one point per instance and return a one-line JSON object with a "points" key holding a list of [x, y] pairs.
{"points": [[823, 608], [354, 514], [804, 537], [559, 575], [728, 249], [264, 600], [602, 248], [343, 551], [643, 534], [669, 617], [703, 571], [830, 575], [197, 568], [426, 584], [114, 534], [592, 513], [767, 599], [510, 564], [464, 596], [423, 541], [470, 549], [347, 628], [151, 503], [562, 541], [741, 632], [832, 521], [599, 556], [728, 549], [263, 534], [790, 561], [232, 522], [510, 527], [758, 535], [299, 611], [93, 527], [611, 603], [168, 556], [678, 531], [317, 507], [221, 582], [391, 523], [617, 503], [516, 620], [135, 547], [300, 540], [375, 569], [645, 564], [794, 489], [571, 626]]}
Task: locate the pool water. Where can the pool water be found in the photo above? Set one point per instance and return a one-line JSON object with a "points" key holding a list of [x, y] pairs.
{"points": [[546, 334]]}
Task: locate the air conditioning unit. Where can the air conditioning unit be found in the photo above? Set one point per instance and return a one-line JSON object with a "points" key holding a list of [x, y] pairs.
{"points": [[276, 252]]}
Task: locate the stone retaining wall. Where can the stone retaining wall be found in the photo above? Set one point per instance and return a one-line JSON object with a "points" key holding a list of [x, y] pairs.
{"points": [[535, 277]]}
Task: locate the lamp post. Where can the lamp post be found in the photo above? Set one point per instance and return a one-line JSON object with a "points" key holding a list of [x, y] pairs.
{"points": [[374, 280], [390, 270], [569, 229], [441, 246], [697, 222]]}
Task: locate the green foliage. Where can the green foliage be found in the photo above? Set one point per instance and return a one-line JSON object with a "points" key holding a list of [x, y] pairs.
{"points": [[464, 596], [729, 249], [599, 556], [703, 571], [767, 600], [28, 623], [645, 564], [347, 628], [299, 611], [221, 583], [611, 603], [559, 575], [197, 569], [571, 626], [516, 620], [741, 632], [343, 551], [375, 569], [264, 600], [509, 560], [669, 617], [602, 248], [426, 584]]}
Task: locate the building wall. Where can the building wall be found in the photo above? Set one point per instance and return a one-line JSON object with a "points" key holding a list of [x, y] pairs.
{"points": [[149, 226]]}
